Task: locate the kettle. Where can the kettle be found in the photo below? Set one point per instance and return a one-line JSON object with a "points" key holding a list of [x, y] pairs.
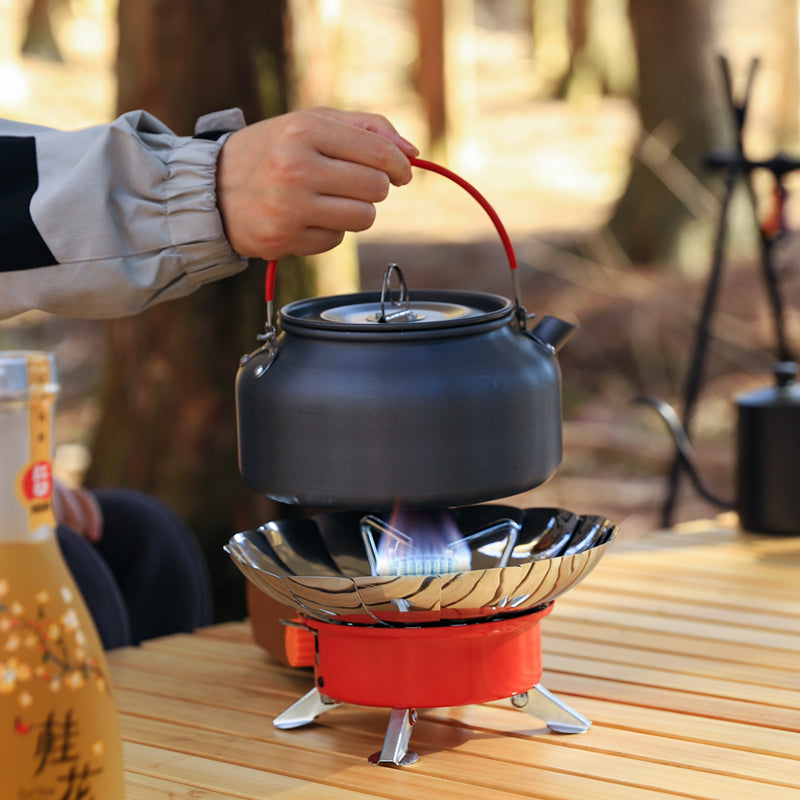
{"points": [[768, 455], [432, 398], [767, 482]]}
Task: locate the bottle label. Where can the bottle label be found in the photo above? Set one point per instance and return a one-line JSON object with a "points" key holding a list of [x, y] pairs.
{"points": [[59, 734], [34, 484]]}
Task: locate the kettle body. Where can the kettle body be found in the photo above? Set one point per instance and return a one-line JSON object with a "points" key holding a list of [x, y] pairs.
{"points": [[452, 405], [768, 455]]}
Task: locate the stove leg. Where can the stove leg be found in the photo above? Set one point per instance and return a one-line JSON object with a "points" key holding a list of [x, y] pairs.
{"points": [[395, 743], [558, 716], [304, 711]]}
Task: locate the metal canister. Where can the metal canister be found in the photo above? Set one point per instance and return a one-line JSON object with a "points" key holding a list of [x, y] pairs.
{"points": [[768, 473]]}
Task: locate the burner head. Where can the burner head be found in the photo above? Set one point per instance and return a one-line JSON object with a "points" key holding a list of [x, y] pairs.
{"points": [[509, 561]]}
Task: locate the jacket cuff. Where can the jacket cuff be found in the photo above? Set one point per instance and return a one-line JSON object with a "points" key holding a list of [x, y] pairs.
{"points": [[191, 200], [218, 123], [190, 206]]}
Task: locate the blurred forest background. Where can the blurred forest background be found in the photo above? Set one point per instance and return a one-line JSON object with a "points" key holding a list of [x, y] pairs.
{"points": [[585, 122]]}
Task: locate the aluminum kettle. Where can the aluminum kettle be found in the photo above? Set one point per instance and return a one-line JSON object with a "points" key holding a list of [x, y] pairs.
{"points": [[428, 399]]}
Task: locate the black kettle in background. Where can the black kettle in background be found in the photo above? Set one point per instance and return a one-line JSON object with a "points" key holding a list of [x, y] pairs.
{"points": [[767, 454]]}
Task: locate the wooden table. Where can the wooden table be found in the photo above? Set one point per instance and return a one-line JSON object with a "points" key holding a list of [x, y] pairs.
{"points": [[683, 648]]}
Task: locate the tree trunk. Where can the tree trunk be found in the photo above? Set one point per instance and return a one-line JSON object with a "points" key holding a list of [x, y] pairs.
{"points": [[318, 50], [39, 38], [681, 104], [168, 417], [788, 125], [445, 78], [430, 77]]}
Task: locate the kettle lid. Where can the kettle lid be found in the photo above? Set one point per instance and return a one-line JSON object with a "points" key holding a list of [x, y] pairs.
{"points": [[365, 312], [370, 312]]}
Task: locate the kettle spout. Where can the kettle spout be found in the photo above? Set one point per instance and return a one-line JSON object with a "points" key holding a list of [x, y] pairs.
{"points": [[554, 332]]}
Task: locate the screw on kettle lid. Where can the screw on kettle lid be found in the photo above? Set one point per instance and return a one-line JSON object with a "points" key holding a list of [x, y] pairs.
{"points": [[25, 371]]}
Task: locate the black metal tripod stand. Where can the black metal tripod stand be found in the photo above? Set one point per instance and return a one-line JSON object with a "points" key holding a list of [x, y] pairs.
{"points": [[736, 166]]}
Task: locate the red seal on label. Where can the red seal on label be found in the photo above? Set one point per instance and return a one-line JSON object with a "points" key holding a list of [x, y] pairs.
{"points": [[37, 481]]}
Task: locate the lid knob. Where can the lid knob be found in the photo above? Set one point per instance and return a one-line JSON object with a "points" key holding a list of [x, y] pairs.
{"points": [[401, 307], [785, 372]]}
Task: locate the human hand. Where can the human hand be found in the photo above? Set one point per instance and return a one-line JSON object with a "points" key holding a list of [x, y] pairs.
{"points": [[78, 510], [293, 184]]}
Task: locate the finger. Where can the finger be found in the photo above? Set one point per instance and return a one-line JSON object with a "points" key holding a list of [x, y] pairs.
{"points": [[59, 502], [67, 509], [79, 510], [317, 240], [351, 143], [91, 515], [342, 214], [374, 123], [337, 178]]}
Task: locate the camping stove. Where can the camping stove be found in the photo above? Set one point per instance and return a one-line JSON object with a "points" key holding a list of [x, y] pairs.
{"points": [[419, 610]]}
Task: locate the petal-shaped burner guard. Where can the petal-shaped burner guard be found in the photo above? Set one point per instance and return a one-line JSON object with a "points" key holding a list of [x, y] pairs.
{"points": [[555, 549]]}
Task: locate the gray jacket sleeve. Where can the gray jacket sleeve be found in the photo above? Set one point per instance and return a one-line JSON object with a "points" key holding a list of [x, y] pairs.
{"points": [[125, 215]]}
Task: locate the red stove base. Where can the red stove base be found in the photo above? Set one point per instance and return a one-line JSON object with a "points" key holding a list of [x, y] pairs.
{"points": [[443, 665], [407, 668]]}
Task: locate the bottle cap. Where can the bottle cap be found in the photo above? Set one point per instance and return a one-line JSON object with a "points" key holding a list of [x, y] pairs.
{"points": [[24, 371]]}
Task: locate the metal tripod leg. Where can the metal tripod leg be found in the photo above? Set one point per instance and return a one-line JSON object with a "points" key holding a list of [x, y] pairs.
{"points": [[557, 715], [304, 711], [395, 743]]}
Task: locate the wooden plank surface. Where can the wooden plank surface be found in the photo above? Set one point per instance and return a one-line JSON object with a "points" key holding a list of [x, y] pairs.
{"points": [[684, 649]]}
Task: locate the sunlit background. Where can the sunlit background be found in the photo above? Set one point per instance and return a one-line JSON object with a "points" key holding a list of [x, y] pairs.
{"points": [[550, 136]]}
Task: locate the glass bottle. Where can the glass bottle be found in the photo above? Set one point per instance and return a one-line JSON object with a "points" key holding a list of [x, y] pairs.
{"points": [[59, 730]]}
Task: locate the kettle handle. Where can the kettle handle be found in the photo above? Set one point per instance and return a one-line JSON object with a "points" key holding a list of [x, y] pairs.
{"points": [[269, 286], [476, 195]]}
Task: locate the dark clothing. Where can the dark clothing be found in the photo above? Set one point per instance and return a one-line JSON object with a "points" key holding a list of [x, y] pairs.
{"points": [[145, 578], [20, 241]]}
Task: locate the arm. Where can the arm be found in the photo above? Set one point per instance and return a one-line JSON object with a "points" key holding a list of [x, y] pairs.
{"points": [[125, 213], [129, 214]]}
